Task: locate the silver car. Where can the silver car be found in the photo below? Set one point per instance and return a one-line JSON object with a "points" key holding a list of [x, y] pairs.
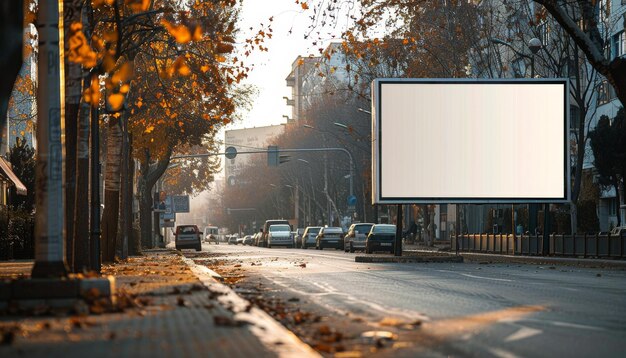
{"points": [[279, 235], [356, 236], [308, 236]]}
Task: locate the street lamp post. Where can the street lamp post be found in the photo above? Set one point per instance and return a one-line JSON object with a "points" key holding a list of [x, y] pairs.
{"points": [[534, 45]]}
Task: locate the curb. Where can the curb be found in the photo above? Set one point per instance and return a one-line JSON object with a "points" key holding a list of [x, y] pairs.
{"points": [[265, 328], [543, 260], [409, 259]]}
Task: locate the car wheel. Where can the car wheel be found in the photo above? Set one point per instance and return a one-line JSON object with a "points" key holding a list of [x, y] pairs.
{"points": [[199, 248], [351, 248], [304, 246]]}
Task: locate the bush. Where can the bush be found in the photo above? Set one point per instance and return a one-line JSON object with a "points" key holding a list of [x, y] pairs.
{"points": [[17, 239]]}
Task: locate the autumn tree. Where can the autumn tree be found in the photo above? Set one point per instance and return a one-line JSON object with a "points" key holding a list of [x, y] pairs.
{"points": [[183, 92], [608, 142]]}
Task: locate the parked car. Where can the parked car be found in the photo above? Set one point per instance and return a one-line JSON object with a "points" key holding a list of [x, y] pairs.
{"points": [[239, 239], [309, 235], [279, 235], [356, 236], [187, 237], [381, 237], [258, 240], [210, 235], [297, 236], [232, 240], [329, 237], [266, 227], [248, 240]]}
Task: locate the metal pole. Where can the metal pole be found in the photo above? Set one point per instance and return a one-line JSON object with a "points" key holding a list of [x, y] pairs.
{"points": [[397, 246], [49, 225]]}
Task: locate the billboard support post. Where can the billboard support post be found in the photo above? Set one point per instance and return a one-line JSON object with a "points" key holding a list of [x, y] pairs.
{"points": [[397, 246]]}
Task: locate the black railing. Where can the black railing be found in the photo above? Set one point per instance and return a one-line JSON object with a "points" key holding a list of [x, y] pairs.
{"points": [[581, 245]]}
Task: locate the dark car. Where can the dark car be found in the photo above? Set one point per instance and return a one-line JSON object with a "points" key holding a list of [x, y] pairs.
{"points": [[329, 237], [187, 237], [309, 235], [356, 237], [381, 238]]}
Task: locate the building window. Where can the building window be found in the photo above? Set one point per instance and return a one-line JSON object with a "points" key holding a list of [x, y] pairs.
{"points": [[544, 32], [613, 207], [606, 93], [574, 116], [604, 10], [618, 45]]}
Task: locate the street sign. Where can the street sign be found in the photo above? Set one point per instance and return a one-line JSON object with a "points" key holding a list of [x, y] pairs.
{"points": [[352, 200], [231, 152], [180, 203]]}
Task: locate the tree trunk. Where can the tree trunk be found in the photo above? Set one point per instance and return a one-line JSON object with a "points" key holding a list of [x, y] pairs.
{"points": [[134, 246], [148, 177], [73, 90], [111, 191], [81, 206], [618, 200], [121, 242]]}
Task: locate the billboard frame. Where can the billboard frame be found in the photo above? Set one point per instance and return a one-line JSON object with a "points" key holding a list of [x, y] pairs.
{"points": [[377, 197]]}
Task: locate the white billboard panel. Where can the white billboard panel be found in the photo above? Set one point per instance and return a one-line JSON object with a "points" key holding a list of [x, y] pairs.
{"points": [[470, 141]]}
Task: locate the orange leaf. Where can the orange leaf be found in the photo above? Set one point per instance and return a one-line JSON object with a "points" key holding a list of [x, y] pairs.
{"points": [[305, 6], [116, 100]]}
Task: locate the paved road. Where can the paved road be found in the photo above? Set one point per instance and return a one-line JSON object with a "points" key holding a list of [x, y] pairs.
{"points": [[482, 310]]}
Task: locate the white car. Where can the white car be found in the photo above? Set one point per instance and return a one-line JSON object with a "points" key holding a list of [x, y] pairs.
{"points": [[280, 235]]}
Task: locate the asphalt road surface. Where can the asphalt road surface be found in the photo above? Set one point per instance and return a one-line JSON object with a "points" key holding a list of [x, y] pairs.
{"points": [[481, 310]]}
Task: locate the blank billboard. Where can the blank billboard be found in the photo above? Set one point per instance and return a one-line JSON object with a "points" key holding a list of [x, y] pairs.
{"points": [[470, 141]]}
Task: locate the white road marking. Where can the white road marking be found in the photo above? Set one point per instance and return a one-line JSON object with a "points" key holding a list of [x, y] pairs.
{"points": [[501, 353], [485, 278], [523, 333], [574, 325]]}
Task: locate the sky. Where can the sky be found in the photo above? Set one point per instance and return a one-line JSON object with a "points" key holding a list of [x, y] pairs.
{"points": [[272, 67]]}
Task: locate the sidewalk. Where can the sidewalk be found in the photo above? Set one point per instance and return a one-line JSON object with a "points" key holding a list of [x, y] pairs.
{"points": [[166, 306], [518, 259]]}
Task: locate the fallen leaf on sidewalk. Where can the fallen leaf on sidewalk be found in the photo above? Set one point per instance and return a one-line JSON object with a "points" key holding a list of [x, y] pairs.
{"points": [[238, 265], [303, 265], [182, 302], [224, 321]]}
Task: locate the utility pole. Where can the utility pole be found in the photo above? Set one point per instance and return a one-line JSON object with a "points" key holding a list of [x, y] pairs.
{"points": [[49, 225]]}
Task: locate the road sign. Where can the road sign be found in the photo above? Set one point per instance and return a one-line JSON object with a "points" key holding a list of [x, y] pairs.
{"points": [[180, 203], [231, 152], [352, 200]]}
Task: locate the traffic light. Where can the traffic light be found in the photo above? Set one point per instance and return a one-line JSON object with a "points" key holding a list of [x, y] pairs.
{"points": [[272, 156]]}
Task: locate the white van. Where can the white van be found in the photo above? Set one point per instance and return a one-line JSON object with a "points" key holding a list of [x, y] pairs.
{"points": [[210, 234]]}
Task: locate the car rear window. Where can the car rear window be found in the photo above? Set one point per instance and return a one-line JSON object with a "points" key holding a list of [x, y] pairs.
{"points": [[333, 230], [275, 228], [385, 229], [363, 229], [314, 231], [187, 229]]}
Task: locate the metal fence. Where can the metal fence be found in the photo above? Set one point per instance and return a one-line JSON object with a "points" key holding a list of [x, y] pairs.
{"points": [[585, 245]]}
